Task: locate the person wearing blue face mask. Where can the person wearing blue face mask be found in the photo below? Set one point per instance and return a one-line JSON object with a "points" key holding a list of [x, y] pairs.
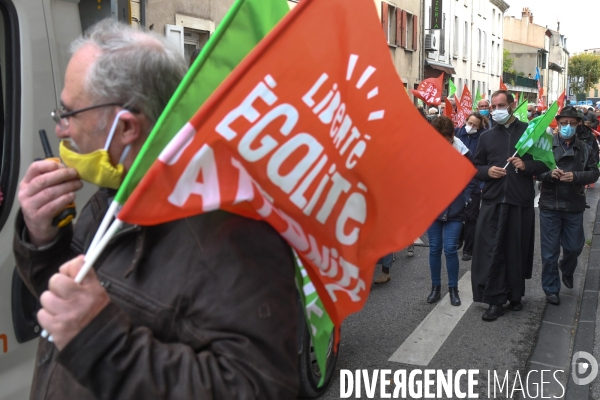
{"points": [[483, 108], [505, 230], [562, 203]]}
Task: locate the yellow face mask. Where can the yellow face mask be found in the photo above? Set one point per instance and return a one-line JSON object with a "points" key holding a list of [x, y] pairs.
{"points": [[95, 167]]}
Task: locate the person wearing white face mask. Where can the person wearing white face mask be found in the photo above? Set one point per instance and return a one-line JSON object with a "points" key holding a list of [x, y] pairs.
{"points": [[469, 135], [532, 111], [505, 231], [562, 203]]}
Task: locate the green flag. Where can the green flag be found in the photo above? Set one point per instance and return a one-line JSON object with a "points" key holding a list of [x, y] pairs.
{"points": [[246, 23], [317, 319], [451, 88], [478, 98], [521, 111], [536, 141], [542, 150]]}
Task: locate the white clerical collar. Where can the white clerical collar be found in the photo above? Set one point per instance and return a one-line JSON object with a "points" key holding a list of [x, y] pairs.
{"points": [[510, 123]]}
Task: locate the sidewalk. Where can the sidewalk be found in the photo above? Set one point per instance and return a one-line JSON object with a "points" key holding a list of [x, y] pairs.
{"points": [[572, 326]]}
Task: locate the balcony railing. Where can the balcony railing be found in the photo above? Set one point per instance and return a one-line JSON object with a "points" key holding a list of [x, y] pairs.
{"points": [[516, 80]]}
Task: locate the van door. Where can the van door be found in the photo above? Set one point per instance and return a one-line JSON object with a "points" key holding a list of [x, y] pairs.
{"points": [[34, 40]]}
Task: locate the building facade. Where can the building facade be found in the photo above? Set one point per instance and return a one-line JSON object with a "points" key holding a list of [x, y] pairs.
{"points": [[402, 26], [469, 44], [462, 39], [558, 65], [188, 23], [534, 46]]}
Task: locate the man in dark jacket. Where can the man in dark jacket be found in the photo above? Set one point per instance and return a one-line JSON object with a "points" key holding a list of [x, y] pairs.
{"points": [[562, 203], [591, 117], [202, 307], [505, 232], [585, 134]]}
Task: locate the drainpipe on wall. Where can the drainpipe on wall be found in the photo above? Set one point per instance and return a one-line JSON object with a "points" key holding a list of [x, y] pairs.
{"points": [[143, 13], [422, 44]]}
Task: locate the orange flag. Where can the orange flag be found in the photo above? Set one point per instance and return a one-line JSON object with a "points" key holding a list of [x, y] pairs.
{"points": [[448, 110], [464, 108], [561, 105], [456, 114], [502, 85], [540, 105], [314, 133], [430, 90]]}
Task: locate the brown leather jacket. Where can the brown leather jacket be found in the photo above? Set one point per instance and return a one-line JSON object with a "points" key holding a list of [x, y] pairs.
{"points": [[201, 308]]}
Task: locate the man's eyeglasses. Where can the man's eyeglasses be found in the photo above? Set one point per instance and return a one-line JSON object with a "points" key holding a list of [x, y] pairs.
{"points": [[61, 116], [565, 123]]}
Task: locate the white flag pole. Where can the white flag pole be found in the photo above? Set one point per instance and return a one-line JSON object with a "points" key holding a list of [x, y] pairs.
{"points": [[509, 161], [91, 258], [93, 255], [110, 213]]}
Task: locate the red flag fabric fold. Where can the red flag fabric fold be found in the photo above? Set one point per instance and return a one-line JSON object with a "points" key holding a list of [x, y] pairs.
{"points": [[430, 90], [464, 108], [448, 110], [561, 104]]}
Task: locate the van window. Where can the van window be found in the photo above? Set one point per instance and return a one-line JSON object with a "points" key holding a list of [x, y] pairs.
{"points": [[10, 104]]}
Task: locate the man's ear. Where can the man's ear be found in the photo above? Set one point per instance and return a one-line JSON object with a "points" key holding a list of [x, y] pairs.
{"points": [[131, 128]]}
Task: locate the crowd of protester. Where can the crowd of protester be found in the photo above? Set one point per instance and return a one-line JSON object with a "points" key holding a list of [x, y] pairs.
{"points": [[493, 219]]}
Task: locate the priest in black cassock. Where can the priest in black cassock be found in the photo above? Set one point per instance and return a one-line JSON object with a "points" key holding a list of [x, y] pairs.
{"points": [[505, 231]]}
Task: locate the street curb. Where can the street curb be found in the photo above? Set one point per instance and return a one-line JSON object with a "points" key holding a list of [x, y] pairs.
{"points": [[586, 323], [567, 329]]}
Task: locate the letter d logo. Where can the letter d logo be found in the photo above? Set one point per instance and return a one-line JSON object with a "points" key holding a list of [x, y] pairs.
{"points": [[579, 368]]}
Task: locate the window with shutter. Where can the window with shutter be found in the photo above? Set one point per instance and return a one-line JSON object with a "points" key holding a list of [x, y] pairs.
{"points": [[466, 41], [399, 30], [409, 31], [174, 34], [484, 52], [403, 27], [479, 47], [384, 19], [442, 31], [415, 37], [456, 37]]}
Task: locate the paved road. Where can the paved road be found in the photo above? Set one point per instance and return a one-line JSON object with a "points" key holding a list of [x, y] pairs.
{"points": [[397, 317]]}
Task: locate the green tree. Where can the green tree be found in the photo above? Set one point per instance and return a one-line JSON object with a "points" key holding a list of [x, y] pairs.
{"points": [[584, 71], [507, 62]]}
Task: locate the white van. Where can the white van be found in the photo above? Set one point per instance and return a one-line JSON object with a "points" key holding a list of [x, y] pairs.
{"points": [[34, 51], [34, 40]]}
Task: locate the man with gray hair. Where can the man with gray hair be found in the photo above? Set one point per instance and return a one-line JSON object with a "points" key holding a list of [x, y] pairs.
{"points": [[202, 307], [483, 107]]}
